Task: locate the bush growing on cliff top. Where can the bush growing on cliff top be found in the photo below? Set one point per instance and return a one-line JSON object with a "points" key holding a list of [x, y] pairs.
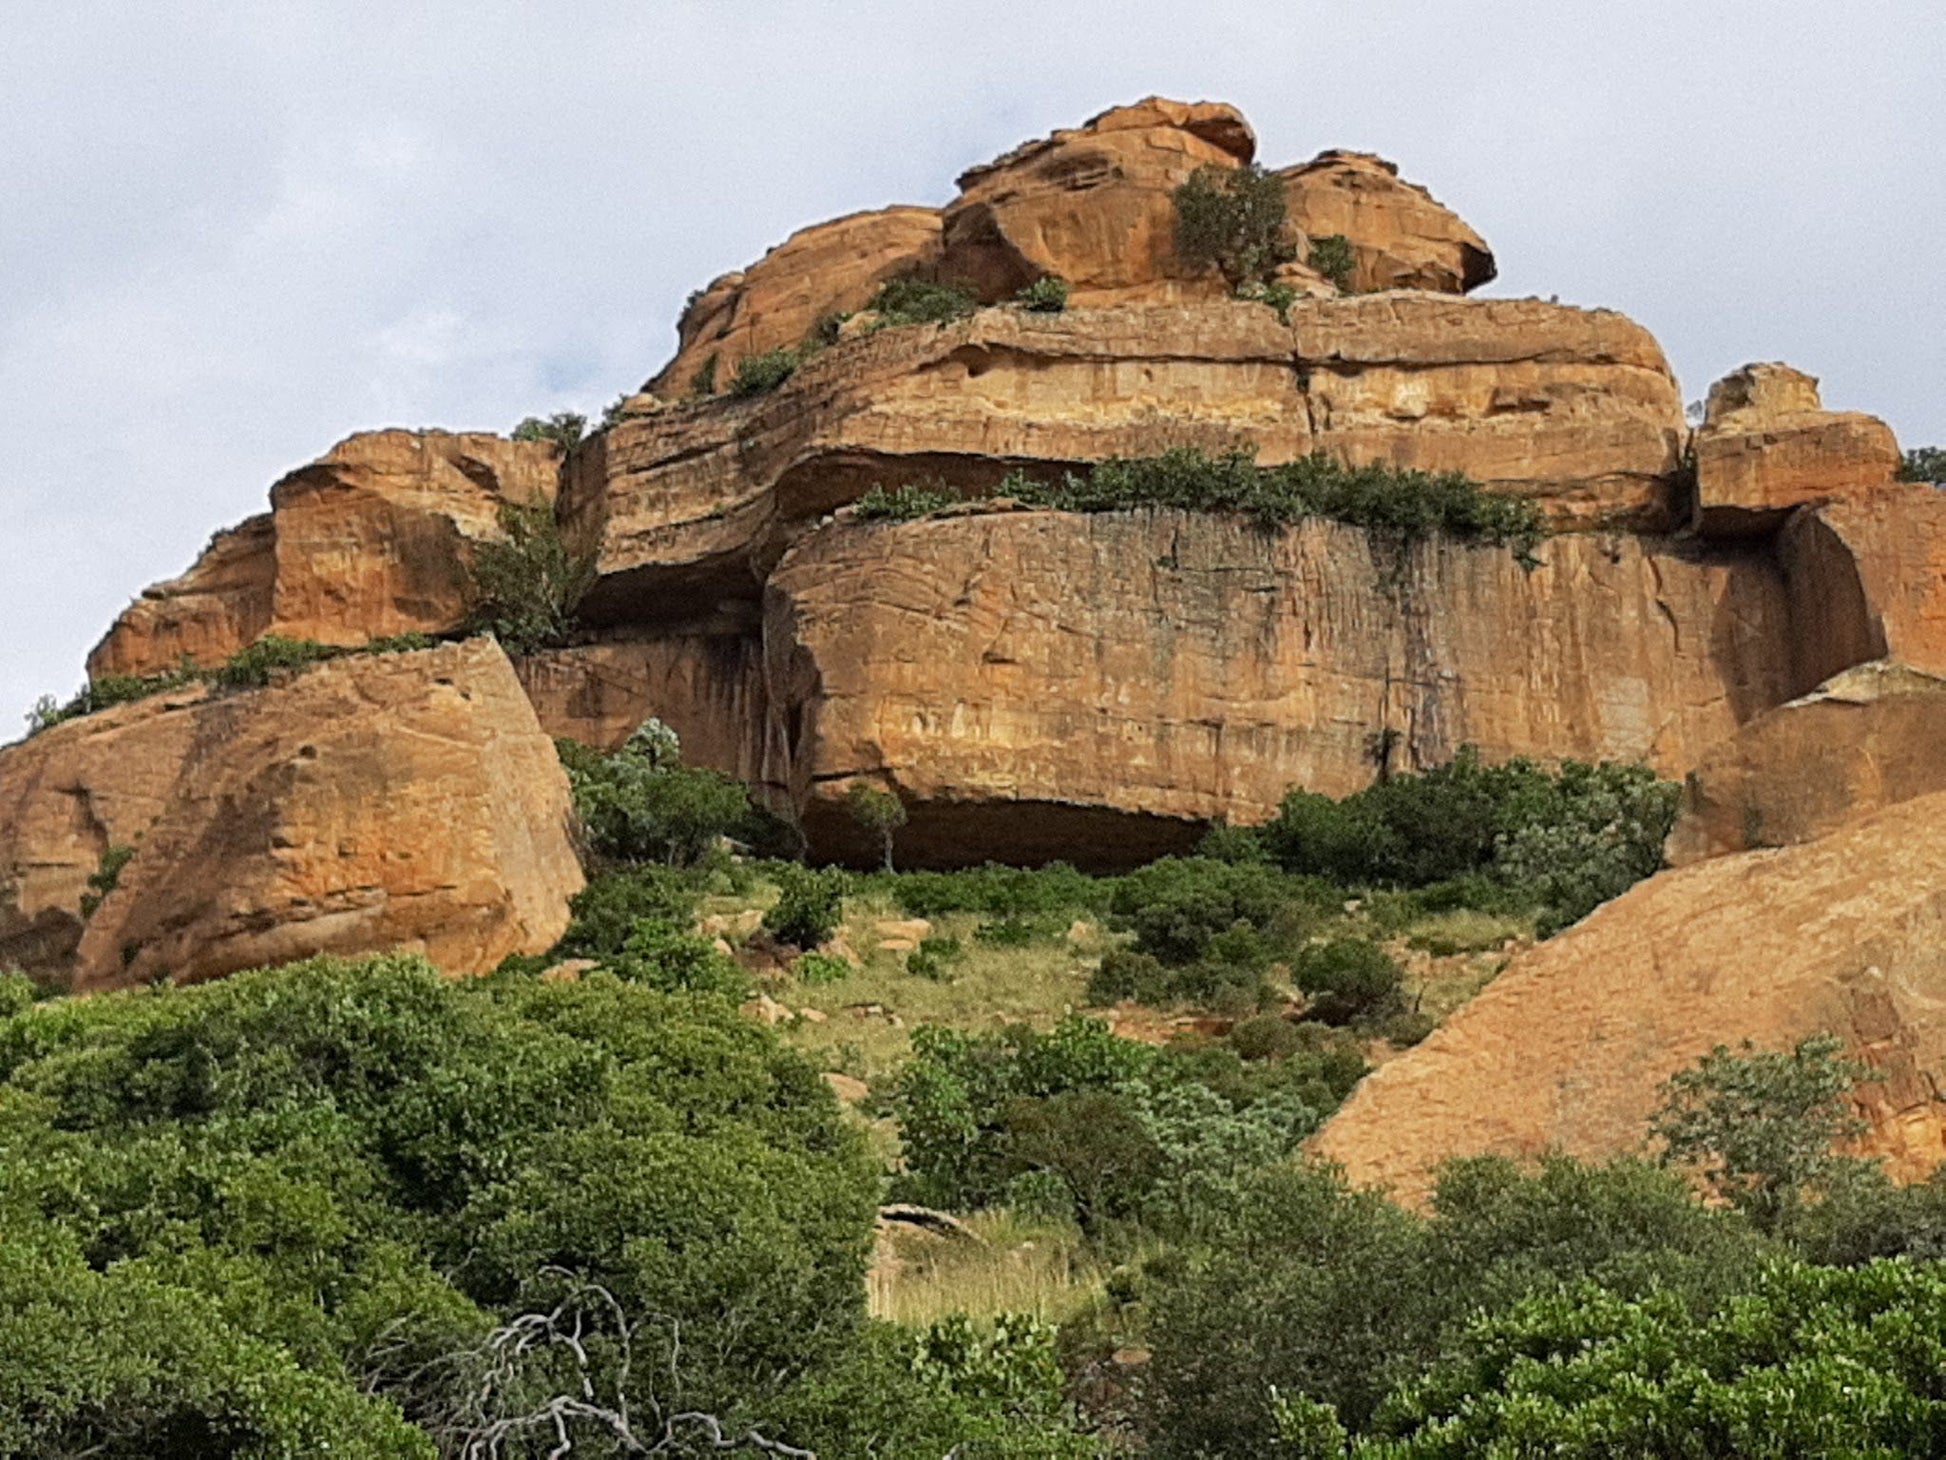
{"points": [[902, 503], [1924, 464], [525, 588], [921, 301], [1333, 257], [1046, 295], [758, 374], [1232, 218], [564, 428]]}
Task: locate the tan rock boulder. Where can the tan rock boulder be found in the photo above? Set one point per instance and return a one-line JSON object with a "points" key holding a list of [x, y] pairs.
{"points": [[1574, 408], [1767, 445], [367, 542], [1041, 684], [1870, 737], [1092, 204], [828, 268], [371, 803], [1400, 235], [1568, 1048], [1867, 579]]}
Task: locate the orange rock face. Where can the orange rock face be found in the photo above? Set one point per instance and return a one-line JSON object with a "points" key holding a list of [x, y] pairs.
{"points": [[1574, 408], [1041, 684], [1568, 1048], [828, 268], [1092, 205], [1768, 445], [1870, 737], [1870, 575], [376, 802], [1401, 237], [367, 542]]}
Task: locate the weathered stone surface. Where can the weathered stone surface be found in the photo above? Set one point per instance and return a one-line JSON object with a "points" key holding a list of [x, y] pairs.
{"points": [[828, 268], [1044, 684], [1567, 1049], [1767, 445], [375, 802], [1867, 578], [1574, 408], [708, 688], [366, 542], [1870, 737], [1402, 237], [1093, 205]]}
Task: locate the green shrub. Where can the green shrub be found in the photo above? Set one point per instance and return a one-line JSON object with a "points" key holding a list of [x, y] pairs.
{"points": [[410, 643], [757, 374], [1402, 505], [703, 382], [934, 957], [1046, 295], [564, 428], [921, 301], [102, 880], [18, 992], [1924, 464], [1349, 981], [608, 908], [1178, 906], [525, 588], [903, 503], [1334, 257], [878, 813], [254, 666], [1266, 1037], [1233, 219], [668, 957], [809, 905], [642, 804], [998, 891], [817, 968], [1278, 295], [1015, 931]]}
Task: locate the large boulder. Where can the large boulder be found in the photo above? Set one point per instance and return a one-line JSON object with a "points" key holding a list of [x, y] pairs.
{"points": [[1401, 237], [369, 541], [1567, 1050], [1868, 581], [1870, 737], [1092, 204], [1767, 444], [370, 803], [827, 269], [1575, 409], [1097, 688]]}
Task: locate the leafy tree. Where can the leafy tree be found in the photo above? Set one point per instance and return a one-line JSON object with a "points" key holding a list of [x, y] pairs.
{"points": [[1349, 981], [1924, 464], [1178, 906], [524, 589], [1761, 1126], [1233, 219], [564, 428], [881, 813], [608, 908], [642, 804], [809, 905]]}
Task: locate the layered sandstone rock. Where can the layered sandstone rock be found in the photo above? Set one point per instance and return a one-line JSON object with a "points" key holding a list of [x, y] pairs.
{"points": [[1574, 408], [1042, 684], [1767, 445], [1568, 1048], [826, 269], [1871, 737], [1868, 581], [374, 802], [1093, 205], [1400, 235], [367, 542]]}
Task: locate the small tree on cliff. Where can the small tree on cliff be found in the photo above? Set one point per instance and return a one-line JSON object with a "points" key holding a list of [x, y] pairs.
{"points": [[879, 812], [525, 588], [564, 428], [1233, 217]]}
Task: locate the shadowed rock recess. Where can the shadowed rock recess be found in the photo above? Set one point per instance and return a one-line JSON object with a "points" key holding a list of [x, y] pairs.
{"points": [[1756, 607]]}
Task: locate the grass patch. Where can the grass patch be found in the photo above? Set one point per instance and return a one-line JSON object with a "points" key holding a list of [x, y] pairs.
{"points": [[1017, 1264]]}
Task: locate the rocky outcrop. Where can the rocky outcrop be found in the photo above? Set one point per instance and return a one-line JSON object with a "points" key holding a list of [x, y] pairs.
{"points": [[1868, 581], [1568, 1048], [827, 269], [367, 542], [1400, 236], [1871, 737], [1041, 684], [374, 802], [1573, 408], [1767, 445], [1093, 205]]}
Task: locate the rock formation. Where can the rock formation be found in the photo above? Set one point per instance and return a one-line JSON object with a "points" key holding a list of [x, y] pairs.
{"points": [[1400, 237], [367, 542], [374, 802], [1568, 1048]]}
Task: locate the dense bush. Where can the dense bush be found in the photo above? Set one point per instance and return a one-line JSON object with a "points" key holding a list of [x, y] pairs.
{"points": [[996, 890], [641, 804], [1178, 906], [255, 664], [1232, 219], [1924, 464], [1332, 256], [1349, 981], [271, 1214], [902, 503], [665, 955], [757, 374], [1400, 504], [608, 908], [564, 428], [809, 904], [921, 301], [525, 587], [1046, 295]]}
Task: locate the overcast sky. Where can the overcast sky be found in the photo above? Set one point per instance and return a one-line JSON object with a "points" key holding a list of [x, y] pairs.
{"points": [[231, 234]]}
